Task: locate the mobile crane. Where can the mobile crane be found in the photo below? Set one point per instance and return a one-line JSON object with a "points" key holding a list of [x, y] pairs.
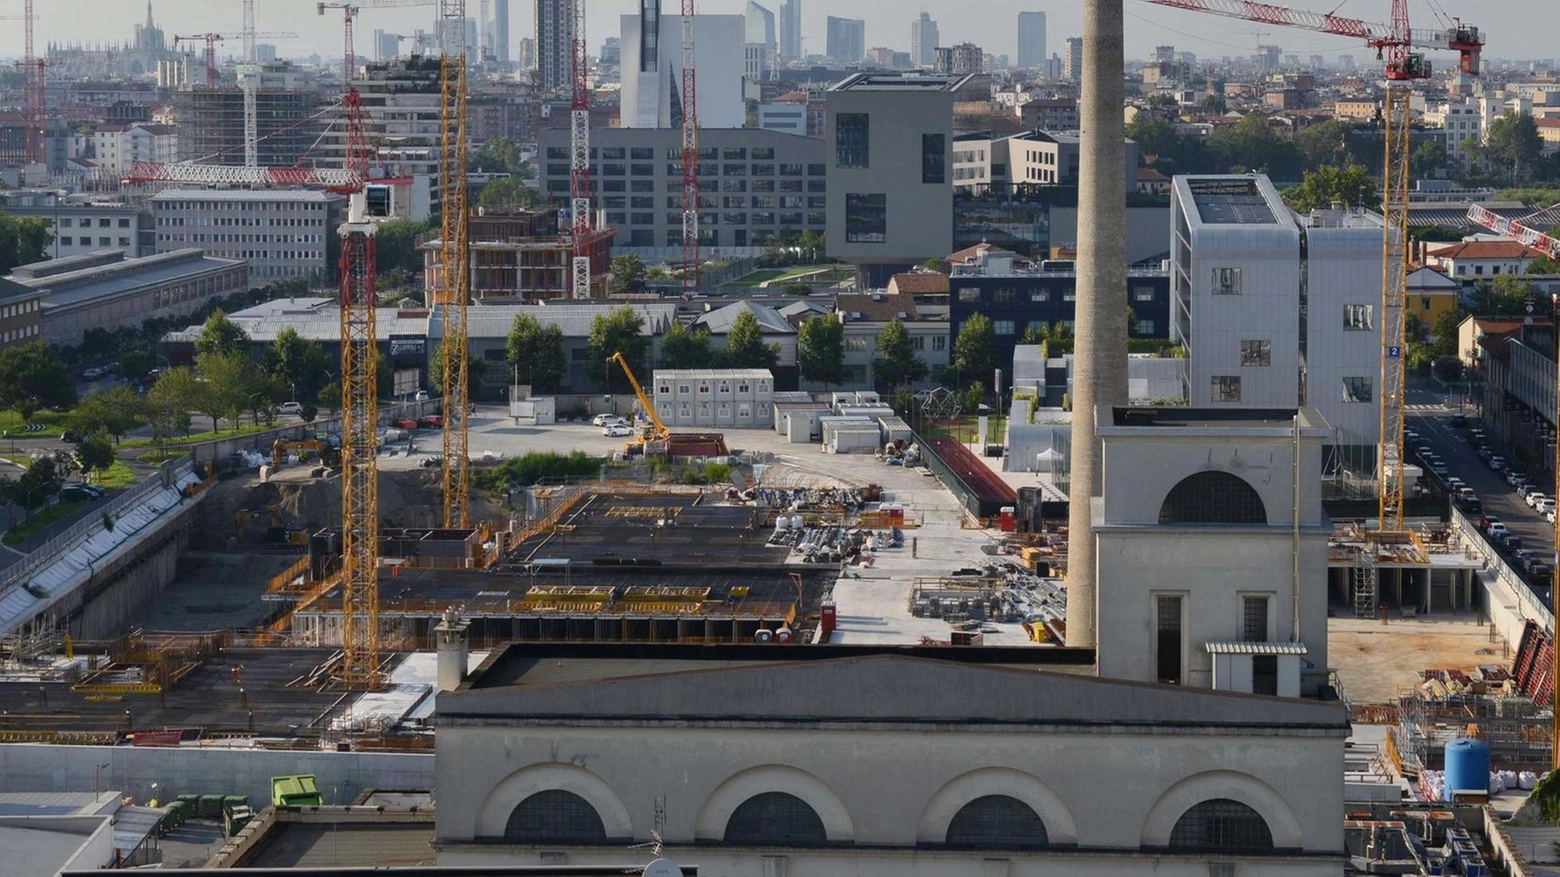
{"points": [[657, 430], [656, 439]]}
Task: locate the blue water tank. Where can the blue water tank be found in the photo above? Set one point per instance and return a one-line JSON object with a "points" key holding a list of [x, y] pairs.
{"points": [[1467, 767]]}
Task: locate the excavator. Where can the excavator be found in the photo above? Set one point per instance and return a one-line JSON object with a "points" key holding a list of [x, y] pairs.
{"points": [[329, 455], [655, 439]]}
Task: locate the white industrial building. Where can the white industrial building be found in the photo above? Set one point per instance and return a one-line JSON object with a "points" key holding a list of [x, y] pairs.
{"points": [[284, 234], [740, 398], [1246, 272], [652, 69], [828, 760], [1183, 485]]}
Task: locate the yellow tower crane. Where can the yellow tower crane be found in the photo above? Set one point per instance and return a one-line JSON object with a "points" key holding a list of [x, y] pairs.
{"points": [[454, 285]]}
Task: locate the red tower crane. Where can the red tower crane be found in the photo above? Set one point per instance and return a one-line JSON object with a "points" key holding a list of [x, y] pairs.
{"points": [[579, 157], [690, 154], [32, 90], [211, 40]]}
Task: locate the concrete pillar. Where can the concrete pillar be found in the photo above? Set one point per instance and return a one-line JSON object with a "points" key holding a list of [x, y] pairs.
{"points": [[450, 643], [1100, 376]]}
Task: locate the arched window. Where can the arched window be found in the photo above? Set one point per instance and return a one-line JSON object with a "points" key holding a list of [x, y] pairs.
{"points": [[775, 819], [554, 816], [1221, 824], [1213, 498], [997, 822]]}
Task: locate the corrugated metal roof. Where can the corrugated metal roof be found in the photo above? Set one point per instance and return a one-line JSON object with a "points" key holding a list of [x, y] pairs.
{"points": [[244, 195], [132, 825], [1235, 647]]}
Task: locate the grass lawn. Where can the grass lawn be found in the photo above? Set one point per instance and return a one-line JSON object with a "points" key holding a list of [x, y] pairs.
{"points": [[196, 438], [41, 519], [152, 458], [967, 428], [10, 420], [114, 477], [774, 275]]}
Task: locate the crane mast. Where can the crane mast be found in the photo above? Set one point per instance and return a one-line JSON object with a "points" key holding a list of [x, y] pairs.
{"points": [[248, 76], [454, 259], [690, 154], [32, 90], [579, 157], [349, 54]]}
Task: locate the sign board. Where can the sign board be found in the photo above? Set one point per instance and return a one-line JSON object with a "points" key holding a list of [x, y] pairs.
{"points": [[405, 381], [408, 346]]}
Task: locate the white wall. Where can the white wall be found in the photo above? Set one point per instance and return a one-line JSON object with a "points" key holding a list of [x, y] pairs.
{"points": [[719, 60], [1343, 267]]}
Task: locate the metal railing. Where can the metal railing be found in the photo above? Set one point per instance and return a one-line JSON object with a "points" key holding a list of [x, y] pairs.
{"points": [[1527, 602], [67, 539]]}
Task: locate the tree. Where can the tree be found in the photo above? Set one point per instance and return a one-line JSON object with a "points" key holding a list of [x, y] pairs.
{"points": [[135, 364], [937, 264], [32, 377], [896, 363], [812, 245], [299, 366], [307, 412], [221, 335], [1429, 159], [973, 358], [23, 241], [41, 481], [745, 347], [170, 401], [1325, 144], [628, 274], [1446, 326], [1215, 104], [682, 347], [223, 386], [1513, 143], [1503, 294], [535, 352], [396, 246], [506, 193], [113, 413], [1251, 146], [617, 331], [820, 350], [475, 367], [1349, 185], [329, 397], [95, 454], [496, 156]]}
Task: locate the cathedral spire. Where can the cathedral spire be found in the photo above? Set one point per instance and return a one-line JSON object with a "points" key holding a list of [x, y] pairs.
{"points": [[149, 24]]}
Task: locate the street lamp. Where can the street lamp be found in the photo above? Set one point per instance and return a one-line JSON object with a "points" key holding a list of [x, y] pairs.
{"points": [[97, 773]]}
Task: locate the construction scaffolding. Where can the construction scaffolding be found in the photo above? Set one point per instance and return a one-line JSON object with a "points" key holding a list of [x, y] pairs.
{"points": [[1450, 704]]}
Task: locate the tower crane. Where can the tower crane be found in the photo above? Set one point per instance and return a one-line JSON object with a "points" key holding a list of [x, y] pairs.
{"points": [[349, 12], [579, 157], [1393, 43], [690, 154], [359, 361], [211, 40], [453, 290], [32, 89]]}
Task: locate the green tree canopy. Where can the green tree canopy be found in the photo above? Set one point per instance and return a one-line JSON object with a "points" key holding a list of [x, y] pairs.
{"points": [[1513, 144], [475, 367], [820, 350], [1325, 143], [1349, 185], [41, 481], [221, 335], [396, 246], [1503, 294], [224, 381], [170, 400], [300, 367], [95, 454], [23, 241], [628, 274], [616, 331], [745, 347], [32, 377], [113, 413], [938, 264], [536, 353], [496, 156], [682, 347], [1446, 331], [506, 193], [973, 357], [1250, 145], [896, 363]]}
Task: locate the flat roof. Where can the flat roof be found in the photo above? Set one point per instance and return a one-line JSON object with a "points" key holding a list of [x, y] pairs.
{"points": [[308, 195], [924, 82], [1236, 418], [131, 275], [340, 843], [1230, 201]]}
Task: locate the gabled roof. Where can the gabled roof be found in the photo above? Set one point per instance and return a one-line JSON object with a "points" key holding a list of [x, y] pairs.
{"points": [[882, 308], [969, 253], [1488, 250], [919, 283], [720, 321], [1426, 278], [877, 689]]}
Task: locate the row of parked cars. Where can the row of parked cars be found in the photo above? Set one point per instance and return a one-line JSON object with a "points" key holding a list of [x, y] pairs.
{"points": [[1535, 564], [613, 426]]}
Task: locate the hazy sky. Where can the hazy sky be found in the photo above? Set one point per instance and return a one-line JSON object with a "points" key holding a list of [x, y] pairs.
{"points": [[1514, 31]]}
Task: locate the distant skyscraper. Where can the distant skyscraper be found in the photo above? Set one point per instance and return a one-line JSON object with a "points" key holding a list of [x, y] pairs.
{"points": [[760, 25], [791, 29], [501, 31], [923, 41], [1031, 40], [387, 46], [846, 39], [525, 57], [554, 34], [1072, 61]]}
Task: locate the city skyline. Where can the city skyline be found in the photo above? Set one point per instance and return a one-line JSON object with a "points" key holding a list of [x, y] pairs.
{"points": [[888, 24]]}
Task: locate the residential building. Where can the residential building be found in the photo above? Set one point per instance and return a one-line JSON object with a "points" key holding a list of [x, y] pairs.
{"points": [[116, 147], [959, 60], [1357, 110], [749, 780], [652, 69], [785, 118], [790, 30], [83, 224], [554, 40], [1050, 158], [923, 41], [1072, 60], [21, 313], [723, 398], [1459, 122], [106, 290], [401, 109], [1257, 622], [890, 142], [756, 186], [1031, 40], [521, 257], [1050, 114], [1246, 272], [1018, 294], [846, 40], [757, 62], [774, 327], [865, 315], [1469, 261], [283, 234], [287, 106], [1430, 294], [1549, 132]]}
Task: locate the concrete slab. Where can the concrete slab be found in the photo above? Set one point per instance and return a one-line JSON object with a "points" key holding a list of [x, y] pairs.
{"points": [[1376, 660]]}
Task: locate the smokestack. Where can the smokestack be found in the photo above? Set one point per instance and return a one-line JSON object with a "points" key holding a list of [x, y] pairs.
{"points": [[450, 648], [1100, 368]]}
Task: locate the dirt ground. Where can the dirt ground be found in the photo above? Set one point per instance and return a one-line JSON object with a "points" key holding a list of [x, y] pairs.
{"points": [[1375, 660]]}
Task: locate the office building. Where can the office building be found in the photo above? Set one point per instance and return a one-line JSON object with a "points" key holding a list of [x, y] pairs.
{"points": [[760, 25], [286, 106], [21, 314], [554, 34], [845, 40], [387, 46], [1072, 60], [960, 60], [284, 234], [923, 41], [757, 62], [651, 94], [785, 118], [106, 290], [757, 187], [80, 224], [790, 30], [1031, 40], [1247, 273], [500, 32], [525, 58], [889, 139]]}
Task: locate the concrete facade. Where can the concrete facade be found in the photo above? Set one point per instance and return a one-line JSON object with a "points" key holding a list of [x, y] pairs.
{"points": [[652, 69], [81, 226], [21, 314], [734, 398], [283, 234], [889, 756], [1199, 483]]}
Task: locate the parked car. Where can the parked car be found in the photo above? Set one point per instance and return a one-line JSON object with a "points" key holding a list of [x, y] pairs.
{"points": [[77, 493], [407, 424], [1410, 435], [1513, 476], [1544, 507], [1438, 467], [290, 408], [605, 419], [617, 430], [1487, 521], [1454, 484], [430, 421], [1497, 462], [1510, 542], [1530, 495], [91, 374]]}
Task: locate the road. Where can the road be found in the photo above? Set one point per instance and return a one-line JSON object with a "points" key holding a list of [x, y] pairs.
{"points": [[1435, 427]]}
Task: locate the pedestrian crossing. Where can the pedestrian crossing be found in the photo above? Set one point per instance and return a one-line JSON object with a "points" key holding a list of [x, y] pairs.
{"points": [[1435, 406]]}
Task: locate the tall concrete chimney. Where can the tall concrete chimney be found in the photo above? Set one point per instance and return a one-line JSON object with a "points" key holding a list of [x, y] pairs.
{"points": [[1100, 376], [450, 644]]}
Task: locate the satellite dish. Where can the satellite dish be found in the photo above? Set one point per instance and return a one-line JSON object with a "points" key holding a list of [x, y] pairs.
{"points": [[663, 868]]}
